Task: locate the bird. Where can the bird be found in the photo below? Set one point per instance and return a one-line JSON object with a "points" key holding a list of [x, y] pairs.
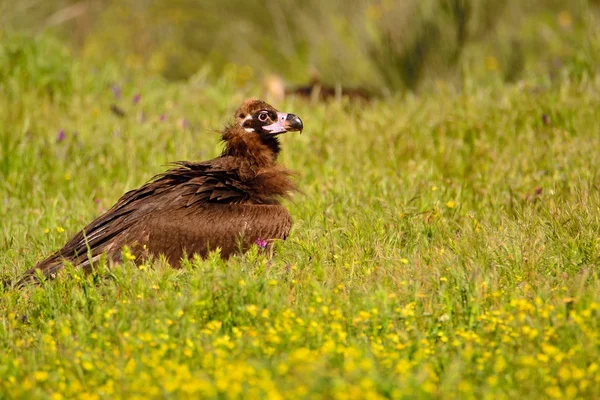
{"points": [[227, 203]]}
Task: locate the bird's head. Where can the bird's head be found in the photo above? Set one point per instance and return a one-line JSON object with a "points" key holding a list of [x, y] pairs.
{"points": [[257, 117], [254, 134]]}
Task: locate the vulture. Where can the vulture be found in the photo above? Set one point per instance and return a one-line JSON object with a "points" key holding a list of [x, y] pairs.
{"points": [[227, 203]]}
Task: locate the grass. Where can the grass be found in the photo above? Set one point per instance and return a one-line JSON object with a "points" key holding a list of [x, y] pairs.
{"points": [[381, 45], [445, 245]]}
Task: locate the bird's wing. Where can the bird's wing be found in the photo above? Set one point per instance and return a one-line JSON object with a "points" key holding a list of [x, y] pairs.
{"points": [[185, 186], [201, 228], [212, 182], [101, 234]]}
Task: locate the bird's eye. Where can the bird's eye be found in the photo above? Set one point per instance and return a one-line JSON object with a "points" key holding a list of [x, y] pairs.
{"points": [[263, 116]]}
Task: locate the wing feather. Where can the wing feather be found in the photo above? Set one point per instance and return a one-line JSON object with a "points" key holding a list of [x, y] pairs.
{"points": [[188, 187]]}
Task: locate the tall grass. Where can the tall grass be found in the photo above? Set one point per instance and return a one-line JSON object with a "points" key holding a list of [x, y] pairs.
{"points": [[445, 245], [387, 46]]}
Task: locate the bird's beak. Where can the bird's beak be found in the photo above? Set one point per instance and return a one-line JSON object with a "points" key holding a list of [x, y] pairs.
{"points": [[285, 123]]}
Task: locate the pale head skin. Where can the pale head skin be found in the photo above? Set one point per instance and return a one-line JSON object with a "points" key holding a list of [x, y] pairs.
{"points": [[257, 116]]}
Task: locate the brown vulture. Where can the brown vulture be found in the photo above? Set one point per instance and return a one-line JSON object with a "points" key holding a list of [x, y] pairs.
{"points": [[229, 202]]}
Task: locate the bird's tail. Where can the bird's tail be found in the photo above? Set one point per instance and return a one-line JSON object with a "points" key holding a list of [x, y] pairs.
{"points": [[47, 268]]}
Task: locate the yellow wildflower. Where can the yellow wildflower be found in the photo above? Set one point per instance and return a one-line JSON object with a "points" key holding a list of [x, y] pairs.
{"points": [[40, 376]]}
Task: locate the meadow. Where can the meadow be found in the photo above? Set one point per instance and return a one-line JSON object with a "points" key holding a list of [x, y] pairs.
{"points": [[445, 244]]}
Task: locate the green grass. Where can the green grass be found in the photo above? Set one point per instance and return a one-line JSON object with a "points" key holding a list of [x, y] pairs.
{"points": [[445, 245]]}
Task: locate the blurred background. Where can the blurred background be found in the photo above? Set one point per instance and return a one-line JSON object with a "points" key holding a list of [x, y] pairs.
{"points": [[376, 46]]}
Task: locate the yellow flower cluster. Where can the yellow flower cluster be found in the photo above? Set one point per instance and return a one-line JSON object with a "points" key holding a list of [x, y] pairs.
{"points": [[327, 349]]}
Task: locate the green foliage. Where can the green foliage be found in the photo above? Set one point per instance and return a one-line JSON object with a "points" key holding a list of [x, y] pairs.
{"points": [[444, 245], [39, 65], [384, 45]]}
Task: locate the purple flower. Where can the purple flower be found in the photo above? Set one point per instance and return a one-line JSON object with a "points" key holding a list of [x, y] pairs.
{"points": [[546, 119], [162, 117], [137, 98], [261, 243], [116, 91], [61, 136]]}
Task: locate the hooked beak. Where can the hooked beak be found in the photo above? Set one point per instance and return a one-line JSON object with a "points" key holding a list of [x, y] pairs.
{"points": [[285, 123]]}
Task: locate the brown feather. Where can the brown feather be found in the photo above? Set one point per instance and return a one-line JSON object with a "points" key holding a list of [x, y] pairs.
{"points": [[193, 208]]}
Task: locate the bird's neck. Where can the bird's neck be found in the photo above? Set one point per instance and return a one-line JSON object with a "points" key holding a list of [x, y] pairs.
{"points": [[261, 151]]}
